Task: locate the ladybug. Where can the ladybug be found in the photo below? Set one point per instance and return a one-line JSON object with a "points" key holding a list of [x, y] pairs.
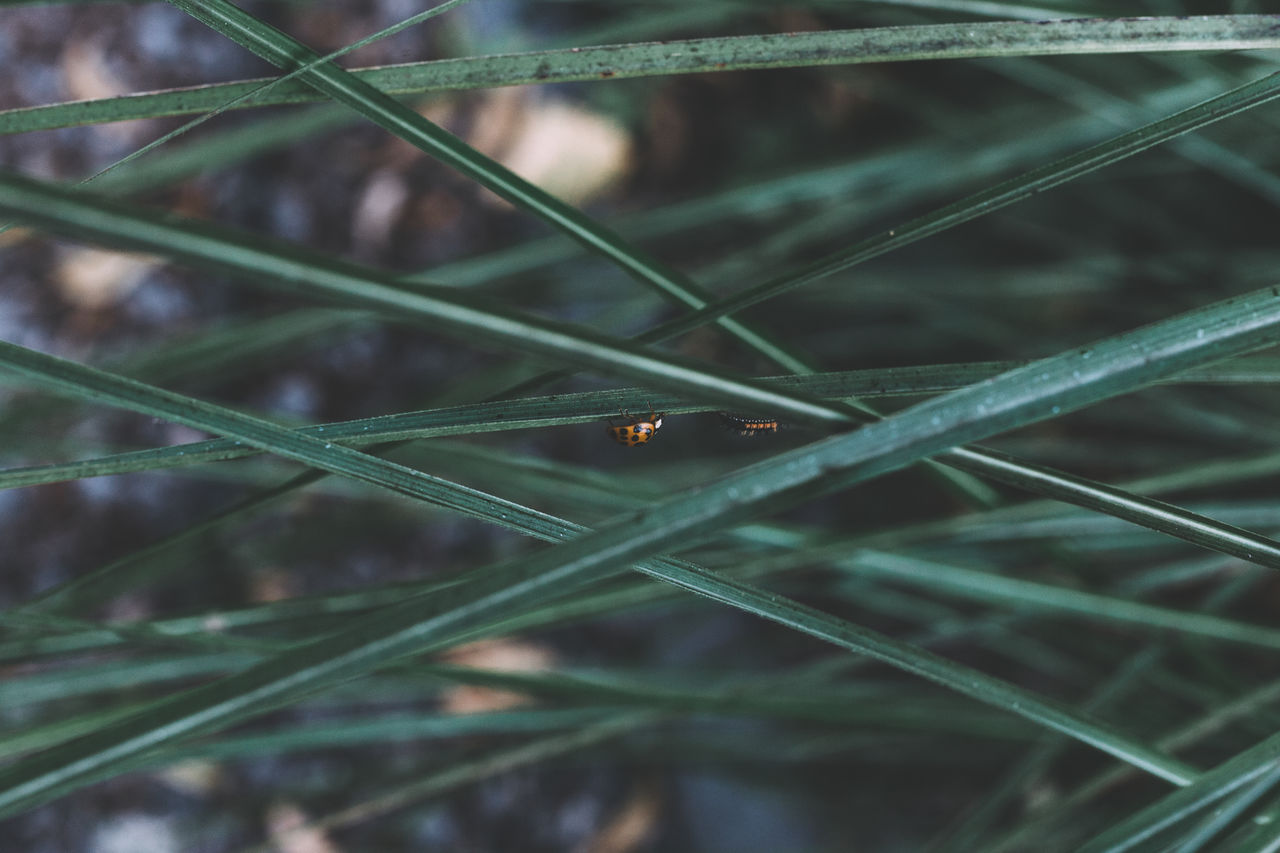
{"points": [[638, 431], [748, 426]]}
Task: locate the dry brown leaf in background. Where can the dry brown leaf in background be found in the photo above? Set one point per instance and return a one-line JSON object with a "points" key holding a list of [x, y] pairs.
{"points": [[435, 210], [441, 110], [14, 235], [502, 654], [195, 778], [93, 279], [87, 73], [377, 211], [631, 826], [287, 829], [270, 584], [472, 699], [497, 121], [572, 153], [89, 76]]}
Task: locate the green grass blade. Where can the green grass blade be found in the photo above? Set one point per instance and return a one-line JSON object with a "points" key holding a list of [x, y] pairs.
{"points": [[1227, 813], [498, 761], [269, 85], [1263, 838], [101, 582], [1021, 594], [987, 201], [1237, 712], [621, 61], [394, 631], [592, 406], [1120, 112], [1150, 513], [79, 215], [393, 116], [856, 178], [768, 697], [318, 453], [1228, 777], [523, 413], [1035, 765], [348, 732], [221, 149], [184, 649], [967, 834], [59, 684], [588, 407], [390, 728], [1061, 383]]}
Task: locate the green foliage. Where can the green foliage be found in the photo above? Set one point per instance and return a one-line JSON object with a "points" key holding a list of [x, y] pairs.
{"points": [[1029, 242]]}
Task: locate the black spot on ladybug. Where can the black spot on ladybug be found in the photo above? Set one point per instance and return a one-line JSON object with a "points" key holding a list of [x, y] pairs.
{"points": [[638, 431]]}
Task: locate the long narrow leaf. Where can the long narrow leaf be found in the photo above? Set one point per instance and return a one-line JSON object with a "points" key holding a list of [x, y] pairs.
{"points": [[989, 200], [78, 214], [585, 407], [708, 55], [991, 588], [1061, 383], [1230, 776], [393, 116], [75, 213], [492, 594]]}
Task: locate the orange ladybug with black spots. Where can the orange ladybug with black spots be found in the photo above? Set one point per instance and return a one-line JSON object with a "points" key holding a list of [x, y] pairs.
{"points": [[636, 431]]}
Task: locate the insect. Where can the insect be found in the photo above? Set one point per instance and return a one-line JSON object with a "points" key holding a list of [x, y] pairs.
{"points": [[743, 425], [638, 431]]}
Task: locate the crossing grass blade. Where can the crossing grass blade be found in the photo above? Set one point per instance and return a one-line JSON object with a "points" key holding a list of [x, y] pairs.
{"points": [[868, 146], [1195, 732], [711, 55], [1019, 594], [1036, 392], [78, 215], [555, 409], [461, 773], [488, 322], [393, 116], [1230, 776], [1012, 191]]}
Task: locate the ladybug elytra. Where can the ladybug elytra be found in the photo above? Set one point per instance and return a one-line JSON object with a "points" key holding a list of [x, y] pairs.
{"points": [[638, 430]]}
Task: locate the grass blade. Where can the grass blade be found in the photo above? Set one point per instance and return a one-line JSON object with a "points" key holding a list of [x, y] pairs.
{"points": [[393, 116], [1063, 382], [593, 406], [1230, 776], [79, 215], [987, 201], [993, 588], [499, 761], [707, 55]]}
